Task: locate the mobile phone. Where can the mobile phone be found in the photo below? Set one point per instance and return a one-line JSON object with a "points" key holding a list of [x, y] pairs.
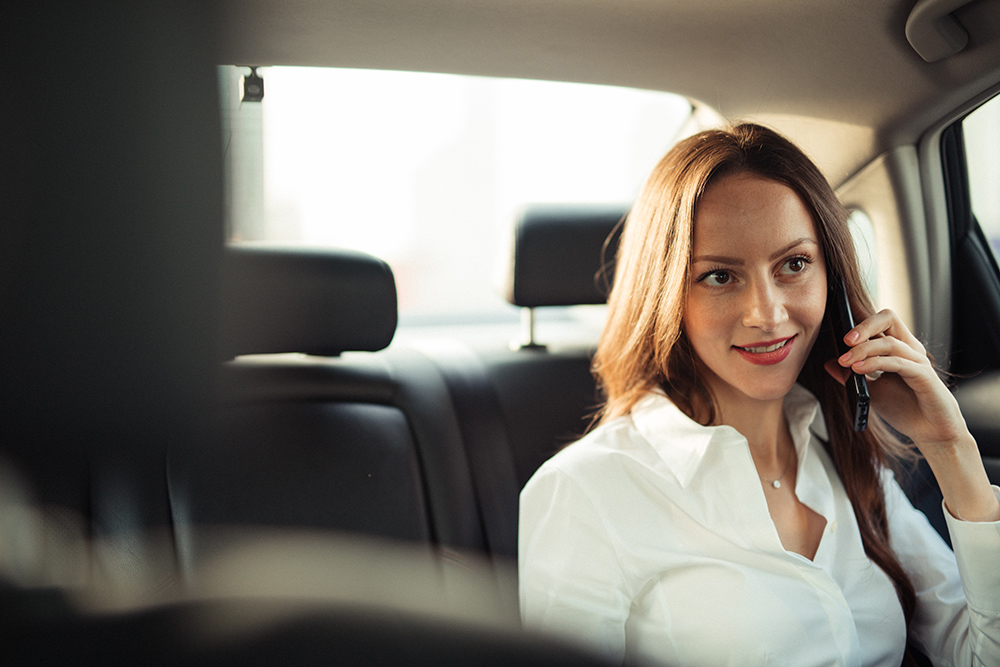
{"points": [[839, 309]]}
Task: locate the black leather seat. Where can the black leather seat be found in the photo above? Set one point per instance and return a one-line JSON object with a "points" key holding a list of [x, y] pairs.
{"points": [[518, 407], [563, 256], [315, 431]]}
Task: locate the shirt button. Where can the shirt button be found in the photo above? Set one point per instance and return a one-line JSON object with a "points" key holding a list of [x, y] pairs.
{"points": [[833, 526]]}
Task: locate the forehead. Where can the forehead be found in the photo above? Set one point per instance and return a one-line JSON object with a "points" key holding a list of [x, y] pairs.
{"points": [[750, 213]]}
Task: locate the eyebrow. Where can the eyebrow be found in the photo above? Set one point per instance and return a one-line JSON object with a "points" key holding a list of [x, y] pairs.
{"points": [[805, 240]]}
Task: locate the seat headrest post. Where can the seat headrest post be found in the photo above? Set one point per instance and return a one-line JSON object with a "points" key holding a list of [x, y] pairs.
{"points": [[527, 341]]}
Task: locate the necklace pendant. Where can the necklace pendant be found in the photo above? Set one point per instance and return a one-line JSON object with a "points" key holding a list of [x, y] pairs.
{"points": [[776, 483]]}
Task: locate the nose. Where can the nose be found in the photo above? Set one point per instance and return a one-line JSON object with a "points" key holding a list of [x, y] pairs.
{"points": [[764, 308]]}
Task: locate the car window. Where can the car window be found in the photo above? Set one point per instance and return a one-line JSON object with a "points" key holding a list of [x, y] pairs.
{"points": [[982, 147], [427, 171], [863, 234]]}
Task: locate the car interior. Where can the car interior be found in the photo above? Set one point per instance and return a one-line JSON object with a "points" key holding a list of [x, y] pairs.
{"points": [[214, 451]]}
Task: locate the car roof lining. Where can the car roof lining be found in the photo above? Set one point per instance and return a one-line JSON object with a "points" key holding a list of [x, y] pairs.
{"points": [[845, 65]]}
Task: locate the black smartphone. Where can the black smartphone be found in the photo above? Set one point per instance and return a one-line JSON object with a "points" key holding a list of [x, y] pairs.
{"points": [[839, 309]]}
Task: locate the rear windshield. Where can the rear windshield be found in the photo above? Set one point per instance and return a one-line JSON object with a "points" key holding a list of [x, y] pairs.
{"points": [[428, 171]]}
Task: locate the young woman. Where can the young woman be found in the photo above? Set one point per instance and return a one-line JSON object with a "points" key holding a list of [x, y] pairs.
{"points": [[724, 510]]}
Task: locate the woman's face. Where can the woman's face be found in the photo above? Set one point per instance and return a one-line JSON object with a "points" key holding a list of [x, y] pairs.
{"points": [[758, 287]]}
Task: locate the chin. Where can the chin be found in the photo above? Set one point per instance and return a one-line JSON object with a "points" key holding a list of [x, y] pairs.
{"points": [[776, 394], [764, 387]]}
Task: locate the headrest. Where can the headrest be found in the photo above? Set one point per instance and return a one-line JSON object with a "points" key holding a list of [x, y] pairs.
{"points": [[320, 302], [559, 256]]}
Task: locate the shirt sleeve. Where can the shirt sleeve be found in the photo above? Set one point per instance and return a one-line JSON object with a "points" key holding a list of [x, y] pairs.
{"points": [[957, 621], [570, 576]]}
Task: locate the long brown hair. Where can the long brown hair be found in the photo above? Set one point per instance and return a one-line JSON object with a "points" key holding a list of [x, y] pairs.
{"points": [[643, 345]]}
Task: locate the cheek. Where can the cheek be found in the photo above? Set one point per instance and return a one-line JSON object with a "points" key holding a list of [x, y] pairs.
{"points": [[813, 306], [705, 319]]}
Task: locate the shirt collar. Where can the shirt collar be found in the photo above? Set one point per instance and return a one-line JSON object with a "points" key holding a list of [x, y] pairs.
{"points": [[682, 442]]}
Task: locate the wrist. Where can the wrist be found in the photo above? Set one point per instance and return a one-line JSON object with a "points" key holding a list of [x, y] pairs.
{"points": [[958, 469]]}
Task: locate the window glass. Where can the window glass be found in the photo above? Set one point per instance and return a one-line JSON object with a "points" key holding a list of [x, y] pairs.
{"points": [[863, 233], [427, 171], [982, 148]]}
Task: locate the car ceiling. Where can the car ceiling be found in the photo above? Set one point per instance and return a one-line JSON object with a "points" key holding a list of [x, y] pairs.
{"points": [[830, 73]]}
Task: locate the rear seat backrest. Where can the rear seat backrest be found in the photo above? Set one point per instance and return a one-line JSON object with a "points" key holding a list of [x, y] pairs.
{"points": [[308, 439], [431, 444], [519, 407], [563, 256]]}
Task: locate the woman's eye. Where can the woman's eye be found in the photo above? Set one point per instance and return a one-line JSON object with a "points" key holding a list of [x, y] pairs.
{"points": [[717, 278], [795, 265]]}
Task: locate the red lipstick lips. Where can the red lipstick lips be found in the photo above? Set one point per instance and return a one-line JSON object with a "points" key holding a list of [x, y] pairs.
{"points": [[767, 353]]}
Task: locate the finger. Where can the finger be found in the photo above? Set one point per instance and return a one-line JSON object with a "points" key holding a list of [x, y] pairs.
{"points": [[870, 327], [883, 323], [919, 376], [886, 346]]}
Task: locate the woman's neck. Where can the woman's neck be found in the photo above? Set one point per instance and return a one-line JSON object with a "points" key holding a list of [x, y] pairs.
{"points": [[762, 423]]}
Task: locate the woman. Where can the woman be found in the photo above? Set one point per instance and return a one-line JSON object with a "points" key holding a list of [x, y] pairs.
{"points": [[724, 510]]}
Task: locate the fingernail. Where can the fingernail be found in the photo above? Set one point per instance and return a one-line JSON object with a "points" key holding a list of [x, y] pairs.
{"points": [[852, 337], [844, 358]]}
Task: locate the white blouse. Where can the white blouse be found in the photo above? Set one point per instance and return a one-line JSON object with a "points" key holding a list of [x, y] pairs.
{"points": [[650, 538]]}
